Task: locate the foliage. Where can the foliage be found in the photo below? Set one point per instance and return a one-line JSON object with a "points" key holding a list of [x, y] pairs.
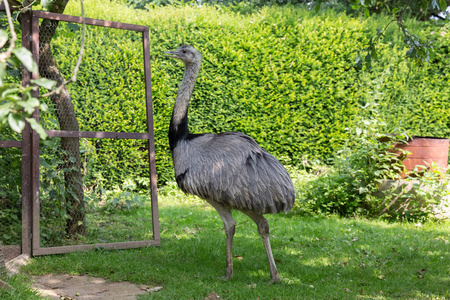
{"points": [[422, 9], [420, 48], [319, 258], [370, 161], [21, 289], [283, 75], [10, 193], [17, 102]]}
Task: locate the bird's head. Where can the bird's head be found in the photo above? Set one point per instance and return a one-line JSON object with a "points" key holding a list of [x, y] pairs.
{"points": [[186, 53]]}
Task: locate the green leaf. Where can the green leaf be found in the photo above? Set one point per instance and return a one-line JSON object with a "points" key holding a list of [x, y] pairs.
{"points": [[29, 105], [43, 106], [45, 164], [26, 58], [317, 7], [37, 127], [5, 109], [366, 12], [443, 5], [44, 82], [16, 122]]}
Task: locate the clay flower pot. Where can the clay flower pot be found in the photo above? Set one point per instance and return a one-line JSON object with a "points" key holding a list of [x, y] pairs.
{"points": [[423, 152]]}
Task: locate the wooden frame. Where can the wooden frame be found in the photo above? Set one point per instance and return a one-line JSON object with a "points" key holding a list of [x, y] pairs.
{"points": [[30, 144]]}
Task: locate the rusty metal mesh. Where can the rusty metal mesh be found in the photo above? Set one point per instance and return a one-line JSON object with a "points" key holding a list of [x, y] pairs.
{"points": [[89, 188], [10, 196], [110, 91], [114, 194]]}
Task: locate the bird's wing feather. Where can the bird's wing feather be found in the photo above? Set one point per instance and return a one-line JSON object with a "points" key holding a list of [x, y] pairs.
{"points": [[233, 169]]}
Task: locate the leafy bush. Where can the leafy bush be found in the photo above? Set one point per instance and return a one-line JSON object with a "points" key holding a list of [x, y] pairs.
{"points": [[365, 180], [281, 75]]}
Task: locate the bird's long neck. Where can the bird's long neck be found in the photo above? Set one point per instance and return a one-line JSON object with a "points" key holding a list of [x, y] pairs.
{"points": [[179, 123]]}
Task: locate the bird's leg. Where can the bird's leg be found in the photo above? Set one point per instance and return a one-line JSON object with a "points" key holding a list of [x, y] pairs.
{"points": [[229, 226], [263, 230]]}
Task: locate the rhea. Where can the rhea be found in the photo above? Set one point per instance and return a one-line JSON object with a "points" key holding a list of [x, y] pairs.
{"points": [[229, 170]]}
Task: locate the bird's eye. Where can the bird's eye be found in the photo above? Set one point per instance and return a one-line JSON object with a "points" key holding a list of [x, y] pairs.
{"points": [[184, 51]]}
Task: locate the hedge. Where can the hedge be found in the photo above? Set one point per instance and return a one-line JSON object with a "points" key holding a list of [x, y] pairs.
{"points": [[282, 75]]}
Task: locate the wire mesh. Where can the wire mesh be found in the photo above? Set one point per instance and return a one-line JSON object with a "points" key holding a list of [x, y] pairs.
{"points": [[10, 196], [109, 94], [93, 190], [115, 205]]}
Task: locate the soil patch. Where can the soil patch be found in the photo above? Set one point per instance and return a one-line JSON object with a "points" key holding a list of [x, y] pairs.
{"points": [[70, 287]]}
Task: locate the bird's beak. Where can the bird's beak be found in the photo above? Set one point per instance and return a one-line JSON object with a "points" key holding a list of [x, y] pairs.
{"points": [[172, 54]]}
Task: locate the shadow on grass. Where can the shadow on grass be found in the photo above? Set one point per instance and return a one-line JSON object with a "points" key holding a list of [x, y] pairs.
{"points": [[318, 258]]}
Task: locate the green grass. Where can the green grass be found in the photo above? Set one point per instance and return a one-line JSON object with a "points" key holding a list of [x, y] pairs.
{"points": [[318, 258], [20, 289]]}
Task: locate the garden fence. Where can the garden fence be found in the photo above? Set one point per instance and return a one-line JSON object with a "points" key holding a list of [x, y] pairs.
{"points": [[80, 190]]}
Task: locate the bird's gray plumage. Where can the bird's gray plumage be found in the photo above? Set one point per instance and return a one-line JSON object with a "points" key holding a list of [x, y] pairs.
{"points": [[229, 170]]}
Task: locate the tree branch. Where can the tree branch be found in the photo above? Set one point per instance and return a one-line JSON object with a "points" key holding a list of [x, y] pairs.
{"points": [[5, 55]]}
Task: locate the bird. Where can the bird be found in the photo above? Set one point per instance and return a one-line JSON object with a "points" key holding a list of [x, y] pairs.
{"points": [[229, 170]]}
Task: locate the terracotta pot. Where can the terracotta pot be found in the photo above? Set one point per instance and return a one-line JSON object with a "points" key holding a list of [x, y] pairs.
{"points": [[424, 151]]}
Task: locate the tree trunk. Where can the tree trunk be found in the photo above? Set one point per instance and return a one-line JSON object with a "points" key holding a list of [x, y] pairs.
{"points": [[65, 113]]}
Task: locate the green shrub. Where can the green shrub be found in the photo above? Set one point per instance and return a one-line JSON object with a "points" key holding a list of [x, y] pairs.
{"points": [[365, 181], [283, 75]]}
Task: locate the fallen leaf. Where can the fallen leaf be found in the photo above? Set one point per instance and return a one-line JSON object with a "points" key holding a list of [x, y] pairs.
{"points": [[381, 277], [348, 290], [252, 286], [238, 257], [355, 239], [277, 260], [421, 271], [345, 263]]}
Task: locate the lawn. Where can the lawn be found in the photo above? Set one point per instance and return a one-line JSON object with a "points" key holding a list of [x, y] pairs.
{"points": [[318, 258]]}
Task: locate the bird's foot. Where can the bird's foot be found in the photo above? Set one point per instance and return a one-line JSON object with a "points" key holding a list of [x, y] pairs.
{"points": [[275, 278], [227, 276]]}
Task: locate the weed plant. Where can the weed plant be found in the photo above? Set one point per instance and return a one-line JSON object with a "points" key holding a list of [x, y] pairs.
{"points": [[352, 186]]}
